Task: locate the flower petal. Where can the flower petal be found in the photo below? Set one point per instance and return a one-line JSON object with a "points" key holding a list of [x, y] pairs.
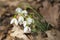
{"points": [[14, 20], [25, 12], [18, 10], [27, 29], [24, 23], [20, 20], [29, 20]]}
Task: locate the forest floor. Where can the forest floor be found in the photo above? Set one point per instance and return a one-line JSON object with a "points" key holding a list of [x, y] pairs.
{"points": [[49, 9]]}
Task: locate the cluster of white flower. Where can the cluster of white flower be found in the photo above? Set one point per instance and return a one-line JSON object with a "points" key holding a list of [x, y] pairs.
{"points": [[23, 18]]}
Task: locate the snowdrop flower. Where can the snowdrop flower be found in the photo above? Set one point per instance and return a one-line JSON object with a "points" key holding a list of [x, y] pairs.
{"points": [[24, 23], [27, 29], [25, 12], [20, 20], [14, 21], [29, 20], [18, 10]]}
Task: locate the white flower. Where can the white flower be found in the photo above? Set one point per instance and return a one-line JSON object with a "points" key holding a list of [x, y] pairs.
{"points": [[18, 10], [24, 23], [25, 12], [27, 29], [14, 21], [20, 20], [29, 20]]}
